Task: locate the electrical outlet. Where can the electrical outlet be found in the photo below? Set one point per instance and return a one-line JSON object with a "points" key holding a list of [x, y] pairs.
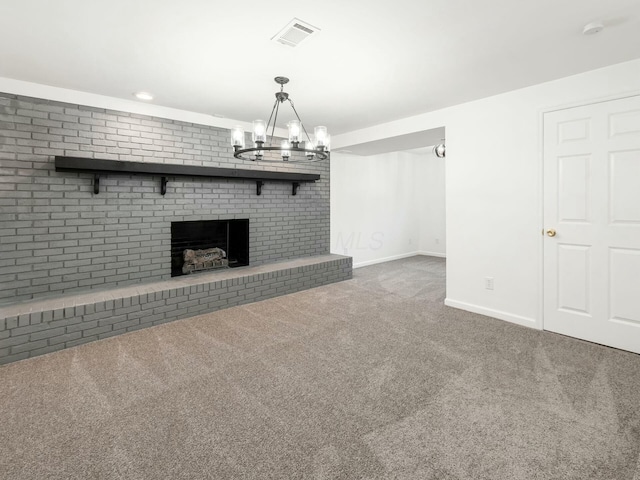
{"points": [[488, 283]]}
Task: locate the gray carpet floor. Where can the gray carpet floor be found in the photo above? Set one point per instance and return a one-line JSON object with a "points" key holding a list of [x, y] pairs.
{"points": [[366, 379]]}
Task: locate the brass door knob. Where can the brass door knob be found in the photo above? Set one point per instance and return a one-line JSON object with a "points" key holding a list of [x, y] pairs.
{"points": [[551, 232]]}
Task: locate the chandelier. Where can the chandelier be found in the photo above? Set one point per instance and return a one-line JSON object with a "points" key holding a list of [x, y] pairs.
{"points": [[299, 142]]}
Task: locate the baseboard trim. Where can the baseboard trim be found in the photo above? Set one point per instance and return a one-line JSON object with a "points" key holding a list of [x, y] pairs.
{"points": [[398, 257], [432, 254], [385, 259], [489, 312]]}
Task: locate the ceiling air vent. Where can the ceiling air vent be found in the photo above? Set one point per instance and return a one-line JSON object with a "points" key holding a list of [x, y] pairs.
{"points": [[294, 33]]}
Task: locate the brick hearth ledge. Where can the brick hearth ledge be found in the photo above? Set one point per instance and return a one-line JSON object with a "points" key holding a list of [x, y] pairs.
{"points": [[37, 327]]}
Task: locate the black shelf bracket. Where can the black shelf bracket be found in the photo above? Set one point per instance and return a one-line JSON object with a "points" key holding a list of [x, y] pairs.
{"points": [[96, 184], [163, 185], [259, 185], [295, 185]]}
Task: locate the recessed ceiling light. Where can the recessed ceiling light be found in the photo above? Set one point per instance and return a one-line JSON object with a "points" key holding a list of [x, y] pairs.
{"points": [[592, 28], [143, 96]]}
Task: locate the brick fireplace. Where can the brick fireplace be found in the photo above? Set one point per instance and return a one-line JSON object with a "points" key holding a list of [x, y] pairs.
{"points": [[59, 239]]}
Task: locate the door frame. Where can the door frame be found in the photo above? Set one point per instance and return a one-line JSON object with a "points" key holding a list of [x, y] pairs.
{"points": [[541, 113]]}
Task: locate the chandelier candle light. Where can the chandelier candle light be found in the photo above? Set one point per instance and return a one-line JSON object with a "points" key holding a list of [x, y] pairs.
{"points": [[299, 141]]}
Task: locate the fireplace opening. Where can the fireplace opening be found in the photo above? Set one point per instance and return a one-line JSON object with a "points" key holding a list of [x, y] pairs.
{"points": [[205, 245]]}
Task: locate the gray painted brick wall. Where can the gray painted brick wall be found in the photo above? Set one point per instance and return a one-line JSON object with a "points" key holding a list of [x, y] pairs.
{"points": [[56, 236]]}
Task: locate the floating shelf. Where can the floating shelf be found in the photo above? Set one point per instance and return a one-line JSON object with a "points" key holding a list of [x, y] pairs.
{"points": [[165, 170]]}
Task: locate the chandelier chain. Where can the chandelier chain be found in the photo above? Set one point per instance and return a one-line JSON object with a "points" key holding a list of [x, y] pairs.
{"points": [[273, 129], [270, 117]]}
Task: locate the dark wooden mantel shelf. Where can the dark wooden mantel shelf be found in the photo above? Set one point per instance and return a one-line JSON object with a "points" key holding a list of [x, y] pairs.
{"points": [[165, 170]]}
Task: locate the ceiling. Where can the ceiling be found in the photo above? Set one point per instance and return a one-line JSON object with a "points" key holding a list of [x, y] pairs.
{"points": [[373, 61]]}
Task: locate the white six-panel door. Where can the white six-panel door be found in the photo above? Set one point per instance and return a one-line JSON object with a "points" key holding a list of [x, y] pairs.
{"points": [[592, 204]]}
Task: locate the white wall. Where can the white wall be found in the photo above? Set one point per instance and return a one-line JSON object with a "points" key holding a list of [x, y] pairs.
{"points": [[374, 213], [387, 206], [493, 187], [430, 197]]}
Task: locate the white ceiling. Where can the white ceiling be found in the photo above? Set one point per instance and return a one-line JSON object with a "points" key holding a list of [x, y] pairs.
{"points": [[374, 61]]}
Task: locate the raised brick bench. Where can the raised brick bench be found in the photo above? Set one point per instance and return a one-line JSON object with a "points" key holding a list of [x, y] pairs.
{"points": [[38, 327]]}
